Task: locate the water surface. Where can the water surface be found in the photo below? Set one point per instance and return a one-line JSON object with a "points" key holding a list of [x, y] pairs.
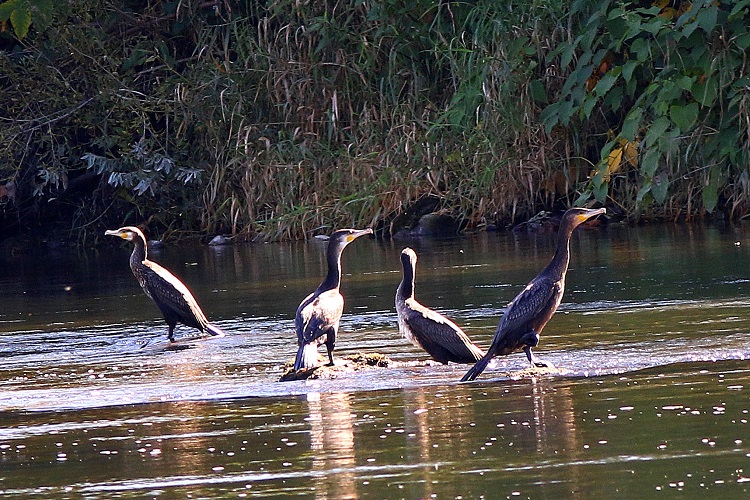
{"points": [[651, 341]]}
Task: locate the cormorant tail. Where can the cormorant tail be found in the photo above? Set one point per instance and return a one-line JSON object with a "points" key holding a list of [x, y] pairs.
{"points": [[214, 330], [477, 369], [307, 356]]}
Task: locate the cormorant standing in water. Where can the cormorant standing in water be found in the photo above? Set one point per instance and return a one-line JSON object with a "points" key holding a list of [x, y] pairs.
{"points": [[425, 328], [527, 314], [170, 294], [318, 316]]}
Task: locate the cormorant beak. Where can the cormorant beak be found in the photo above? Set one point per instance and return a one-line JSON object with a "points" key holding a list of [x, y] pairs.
{"points": [[356, 234], [591, 213], [116, 232]]}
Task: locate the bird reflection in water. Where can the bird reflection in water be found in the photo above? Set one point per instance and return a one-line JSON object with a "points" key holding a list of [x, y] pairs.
{"points": [[332, 445], [554, 421], [438, 424]]}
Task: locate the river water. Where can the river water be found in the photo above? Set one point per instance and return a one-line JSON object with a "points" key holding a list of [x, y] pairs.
{"points": [[651, 343]]}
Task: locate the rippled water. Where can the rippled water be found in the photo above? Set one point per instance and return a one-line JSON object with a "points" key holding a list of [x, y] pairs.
{"points": [[651, 342]]}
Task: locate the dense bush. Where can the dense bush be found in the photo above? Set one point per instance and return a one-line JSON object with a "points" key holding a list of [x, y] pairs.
{"points": [[284, 118], [665, 85]]}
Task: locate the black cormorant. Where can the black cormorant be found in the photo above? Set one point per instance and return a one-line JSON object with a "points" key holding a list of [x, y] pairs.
{"points": [[527, 314], [425, 328], [318, 316], [170, 294]]}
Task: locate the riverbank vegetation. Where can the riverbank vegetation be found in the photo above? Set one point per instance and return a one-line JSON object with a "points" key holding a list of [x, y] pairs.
{"points": [[279, 119]]}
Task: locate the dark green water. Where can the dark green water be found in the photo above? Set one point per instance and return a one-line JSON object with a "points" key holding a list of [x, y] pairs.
{"points": [[652, 342]]}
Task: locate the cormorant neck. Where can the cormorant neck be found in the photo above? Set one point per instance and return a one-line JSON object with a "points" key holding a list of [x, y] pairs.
{"points": [[333, 278], [406, 288], [559, 264], [139, 252]]}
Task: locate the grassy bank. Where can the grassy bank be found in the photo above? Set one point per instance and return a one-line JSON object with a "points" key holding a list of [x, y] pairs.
{"points": [[278, 120]]}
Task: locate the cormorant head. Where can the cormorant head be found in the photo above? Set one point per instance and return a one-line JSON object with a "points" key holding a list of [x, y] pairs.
{"points": [[574, 217], [342, 237], [408, 258], [129, 233]]}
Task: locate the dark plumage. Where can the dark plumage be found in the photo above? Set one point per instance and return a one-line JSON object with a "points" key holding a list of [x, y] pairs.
{"points": [[318, 316], [425, 328], [173, 298], [529, 312]]}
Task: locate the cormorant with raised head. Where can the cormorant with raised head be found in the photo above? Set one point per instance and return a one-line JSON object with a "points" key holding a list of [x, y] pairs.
{"points": [[173, 298], [529, 312], [318, 316], [428, 329]]}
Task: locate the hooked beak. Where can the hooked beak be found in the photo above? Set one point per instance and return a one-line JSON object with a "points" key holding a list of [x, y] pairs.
{"points": [[356, 234], [591, 213], [115, 232]]}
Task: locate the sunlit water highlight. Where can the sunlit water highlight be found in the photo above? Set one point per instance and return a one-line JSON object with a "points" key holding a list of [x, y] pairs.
{"points": [[651, 346]]}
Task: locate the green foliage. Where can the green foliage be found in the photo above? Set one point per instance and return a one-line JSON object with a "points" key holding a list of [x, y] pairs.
{"points": [[21, 13], [141, 170], [669, 78], [280, 119]]}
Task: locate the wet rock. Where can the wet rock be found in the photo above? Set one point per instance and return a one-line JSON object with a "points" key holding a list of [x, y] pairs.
{"points": [[348, 364], [431, 225], [531, 372]]}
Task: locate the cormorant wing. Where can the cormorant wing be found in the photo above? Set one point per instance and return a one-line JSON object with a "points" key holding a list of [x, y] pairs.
{"points": [[317, 314], [166, 289], [433, 327], [534, 301]]}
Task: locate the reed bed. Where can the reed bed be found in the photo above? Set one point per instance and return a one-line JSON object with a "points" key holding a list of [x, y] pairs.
{"points": [[281, 120]]}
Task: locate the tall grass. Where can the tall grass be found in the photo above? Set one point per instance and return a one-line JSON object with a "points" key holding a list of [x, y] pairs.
{"points": [[331, 115], [288, 118]]}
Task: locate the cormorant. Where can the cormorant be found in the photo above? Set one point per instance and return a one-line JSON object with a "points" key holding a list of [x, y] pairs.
{"points": [[318, 316], [529, 312], [425, 328], [170, 294]]}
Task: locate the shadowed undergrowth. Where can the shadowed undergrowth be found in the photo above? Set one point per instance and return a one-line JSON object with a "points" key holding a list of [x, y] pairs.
{"points": [[281, 120]]}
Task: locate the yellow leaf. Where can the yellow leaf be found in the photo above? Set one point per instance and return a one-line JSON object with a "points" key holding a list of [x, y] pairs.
{"points": [[613, 162], [630, 150]]}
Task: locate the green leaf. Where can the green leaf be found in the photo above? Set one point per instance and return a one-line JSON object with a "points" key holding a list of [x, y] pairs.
{"points": [[650, 162], [21, 21], [684, 116], [743, 41], [654, 25], [631, 125], [641, 48], [738, 7], [6, 8], [43, 15], [645, 190], [567, 55], [550, 116], [538, 92], [582, 199], [684, 82], [706, 18], [588, 105], [604, 84], [627, 70], [689, 28], [565, 111], [710, 197], [613, 99], [706, 92], [658, 127], [659, 187], [600, 192]]}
